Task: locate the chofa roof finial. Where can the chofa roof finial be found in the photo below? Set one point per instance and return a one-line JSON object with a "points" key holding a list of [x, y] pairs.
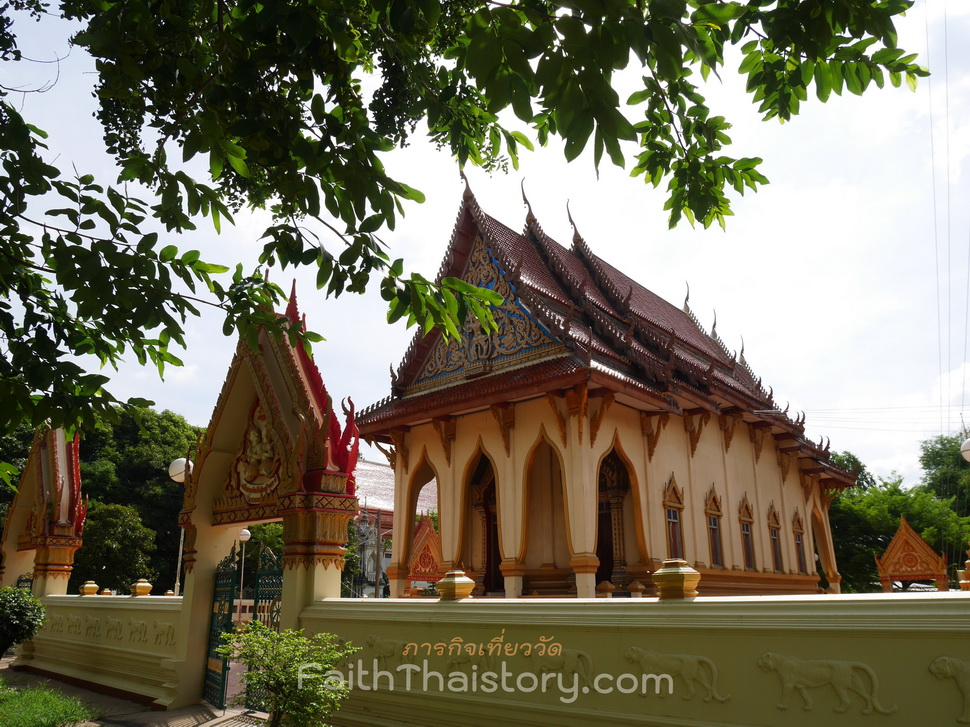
{"points": [[687, 298], [292, 308], [467, 195], [577, 238], [529, 216]]}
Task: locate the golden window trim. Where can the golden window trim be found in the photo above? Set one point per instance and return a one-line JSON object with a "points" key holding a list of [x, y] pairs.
{"points": [[673, 496], [745, 512], [712, 503]]}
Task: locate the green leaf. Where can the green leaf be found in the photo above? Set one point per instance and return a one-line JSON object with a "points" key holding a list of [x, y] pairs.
{"points": [[240, 166]]}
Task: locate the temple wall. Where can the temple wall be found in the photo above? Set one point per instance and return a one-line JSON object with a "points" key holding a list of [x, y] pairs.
{"points": [[730, 660], [125, 643]]}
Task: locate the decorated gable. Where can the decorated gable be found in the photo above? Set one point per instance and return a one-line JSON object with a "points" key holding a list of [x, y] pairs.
{"points": [[519, 337], [909, 558], [425, 564]]}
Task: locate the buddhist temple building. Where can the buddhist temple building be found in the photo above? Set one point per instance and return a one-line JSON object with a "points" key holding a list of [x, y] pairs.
{"points": [[598, 431]]}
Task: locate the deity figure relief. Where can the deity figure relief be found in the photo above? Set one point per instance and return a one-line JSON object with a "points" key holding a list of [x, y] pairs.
{"points": [[257, 467], [480, 346]]}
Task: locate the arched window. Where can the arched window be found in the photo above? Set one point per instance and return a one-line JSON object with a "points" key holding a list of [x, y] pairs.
{"points": [[674, 514], [799, 530], [712, 511], [774, 533], [746, 519]]}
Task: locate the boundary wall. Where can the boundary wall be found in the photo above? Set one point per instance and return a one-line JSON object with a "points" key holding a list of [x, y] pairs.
{"points": [[128, 645], [874, 659]]}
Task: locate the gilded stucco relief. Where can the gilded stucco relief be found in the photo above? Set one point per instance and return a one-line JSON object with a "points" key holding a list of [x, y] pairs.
{"points": [[844, 677], [948, 667], [256, 471], [693, 669], [477, 351]]}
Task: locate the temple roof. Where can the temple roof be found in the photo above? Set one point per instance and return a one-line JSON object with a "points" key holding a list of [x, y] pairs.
{"points": [[570, 318]]}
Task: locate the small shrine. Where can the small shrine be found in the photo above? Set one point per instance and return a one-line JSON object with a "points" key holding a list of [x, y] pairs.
{"points": [[596, 431], [45, 521], [425, 563], [909, 558]]}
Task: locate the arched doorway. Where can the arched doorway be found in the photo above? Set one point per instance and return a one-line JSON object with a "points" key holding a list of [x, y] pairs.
{"points": [[825, 553], [612, 497], [481, 554], [547, 551]]}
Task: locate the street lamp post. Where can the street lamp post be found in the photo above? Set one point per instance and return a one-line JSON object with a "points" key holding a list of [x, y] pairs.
{"points": [[177, 471], [963, 576], [244, 536]]}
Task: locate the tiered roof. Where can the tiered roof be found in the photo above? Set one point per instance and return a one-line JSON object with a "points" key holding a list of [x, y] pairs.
{"points": [[605, 330]]}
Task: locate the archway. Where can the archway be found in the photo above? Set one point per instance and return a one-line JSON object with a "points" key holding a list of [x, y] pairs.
{"points": [[421, 556], [480, 551], [825, 552], [613, 502], [547, 552]]}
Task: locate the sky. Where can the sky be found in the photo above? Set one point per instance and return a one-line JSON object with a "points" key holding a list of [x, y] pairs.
{"points": [[847, 277]]}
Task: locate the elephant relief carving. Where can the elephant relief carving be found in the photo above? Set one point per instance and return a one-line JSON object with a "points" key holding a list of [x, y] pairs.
{"points": [[56, 624], [164, 633], [387, 650], [112, 628], [92, 626], [137, 631], [74, 625], [843, 676], [694, 670], [571, 661], [946, 667], [484, 662]]}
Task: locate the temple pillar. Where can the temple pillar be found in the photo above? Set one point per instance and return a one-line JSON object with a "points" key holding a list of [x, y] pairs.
{"points": [[584, 567], [397, 569], [53, 563], [581, 494], [314, 534], [205, 546], [397, 577], [512, 572], [449, 515]]}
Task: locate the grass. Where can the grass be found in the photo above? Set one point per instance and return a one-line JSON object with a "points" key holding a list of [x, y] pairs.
{"points": [[40, 707]]}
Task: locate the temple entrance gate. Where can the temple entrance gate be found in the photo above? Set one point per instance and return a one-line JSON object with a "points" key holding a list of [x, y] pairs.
{"points": [[217, 666], [267, 608]]}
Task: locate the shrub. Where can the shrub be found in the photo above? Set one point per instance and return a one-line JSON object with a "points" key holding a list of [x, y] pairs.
{"points": [[289, 671], [21, 616]]}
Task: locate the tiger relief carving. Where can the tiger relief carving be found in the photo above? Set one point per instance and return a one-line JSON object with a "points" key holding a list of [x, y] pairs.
{"points": [[946, 667], [694, 670], [843, 676]]}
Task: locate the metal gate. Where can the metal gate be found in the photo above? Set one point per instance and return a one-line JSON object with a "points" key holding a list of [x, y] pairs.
{"points": [[267, 602], [217, 667]]}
